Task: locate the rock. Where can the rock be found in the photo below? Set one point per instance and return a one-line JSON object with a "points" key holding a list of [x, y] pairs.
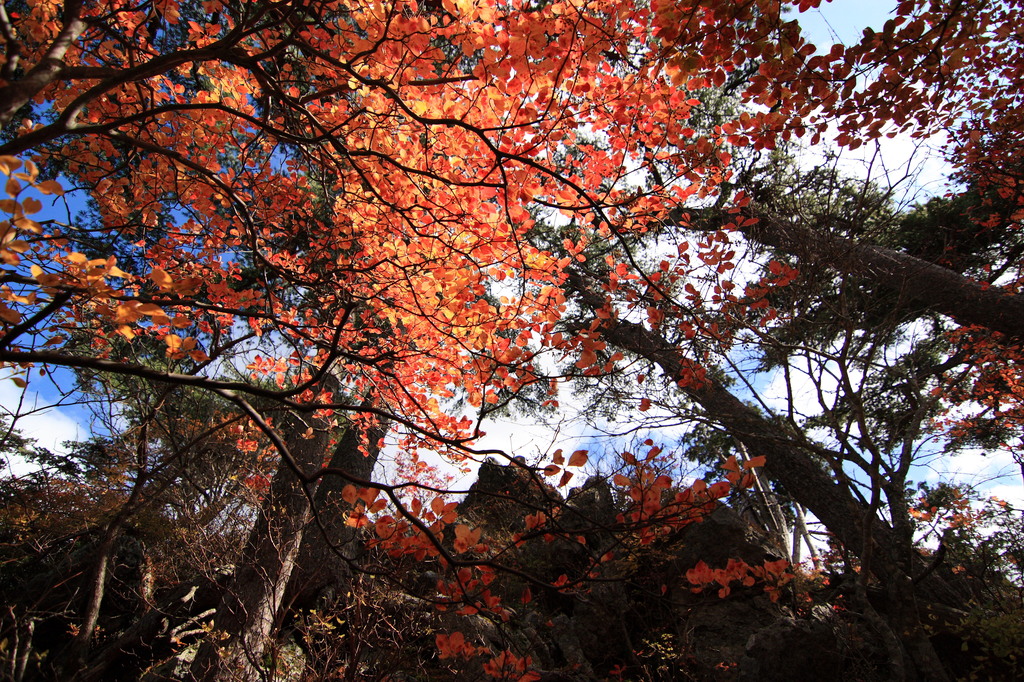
{"points": [[791, 650]]}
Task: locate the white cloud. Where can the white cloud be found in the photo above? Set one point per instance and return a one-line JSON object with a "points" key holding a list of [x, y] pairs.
{"points": [[989, 472], [37, 419]]}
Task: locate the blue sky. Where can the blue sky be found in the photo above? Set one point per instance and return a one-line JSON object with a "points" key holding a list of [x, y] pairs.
{"points": [[843, 21]]}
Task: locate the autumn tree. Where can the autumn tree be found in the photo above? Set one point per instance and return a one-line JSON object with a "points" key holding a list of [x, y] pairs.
{"points": [[326, 218]]}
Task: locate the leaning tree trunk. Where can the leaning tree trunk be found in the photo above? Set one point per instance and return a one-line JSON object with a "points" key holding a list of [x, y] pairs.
{"points": [[943, 290], [940, 289], [788, 460]]}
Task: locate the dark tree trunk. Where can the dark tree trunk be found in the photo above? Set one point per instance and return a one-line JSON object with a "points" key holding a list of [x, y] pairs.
{"points": [[790, 460], [287, 551], [78, 649], [940, 289], [331, 545], [324, 570], [247, 617]]}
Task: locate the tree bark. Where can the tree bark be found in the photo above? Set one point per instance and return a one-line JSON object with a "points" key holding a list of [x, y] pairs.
{"points": [[78, 649], [247, 617], [787, 461], [286, 551], [324, 568], [940, 289], [18, 93], [328, 548]]}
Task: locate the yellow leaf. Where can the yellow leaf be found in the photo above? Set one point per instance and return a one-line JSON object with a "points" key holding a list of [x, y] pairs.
{"points": [[9, 164], [150, 309], [161, 278]]}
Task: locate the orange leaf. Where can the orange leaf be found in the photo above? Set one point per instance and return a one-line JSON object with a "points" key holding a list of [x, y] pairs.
{"points": [[161, 278], [149, 309], [50, 187], [9, 164], [465, 538], [754, 462]]}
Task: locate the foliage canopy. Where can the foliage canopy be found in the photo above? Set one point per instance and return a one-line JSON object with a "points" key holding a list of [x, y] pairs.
{"points": [[298, 251]]}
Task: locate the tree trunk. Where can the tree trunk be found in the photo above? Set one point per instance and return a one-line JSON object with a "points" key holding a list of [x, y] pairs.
{"points": [[943, 290], [940, 289], [247, 617], [324, 569], [786, 462], [328, 548], [790, 461], [78, 649]]}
